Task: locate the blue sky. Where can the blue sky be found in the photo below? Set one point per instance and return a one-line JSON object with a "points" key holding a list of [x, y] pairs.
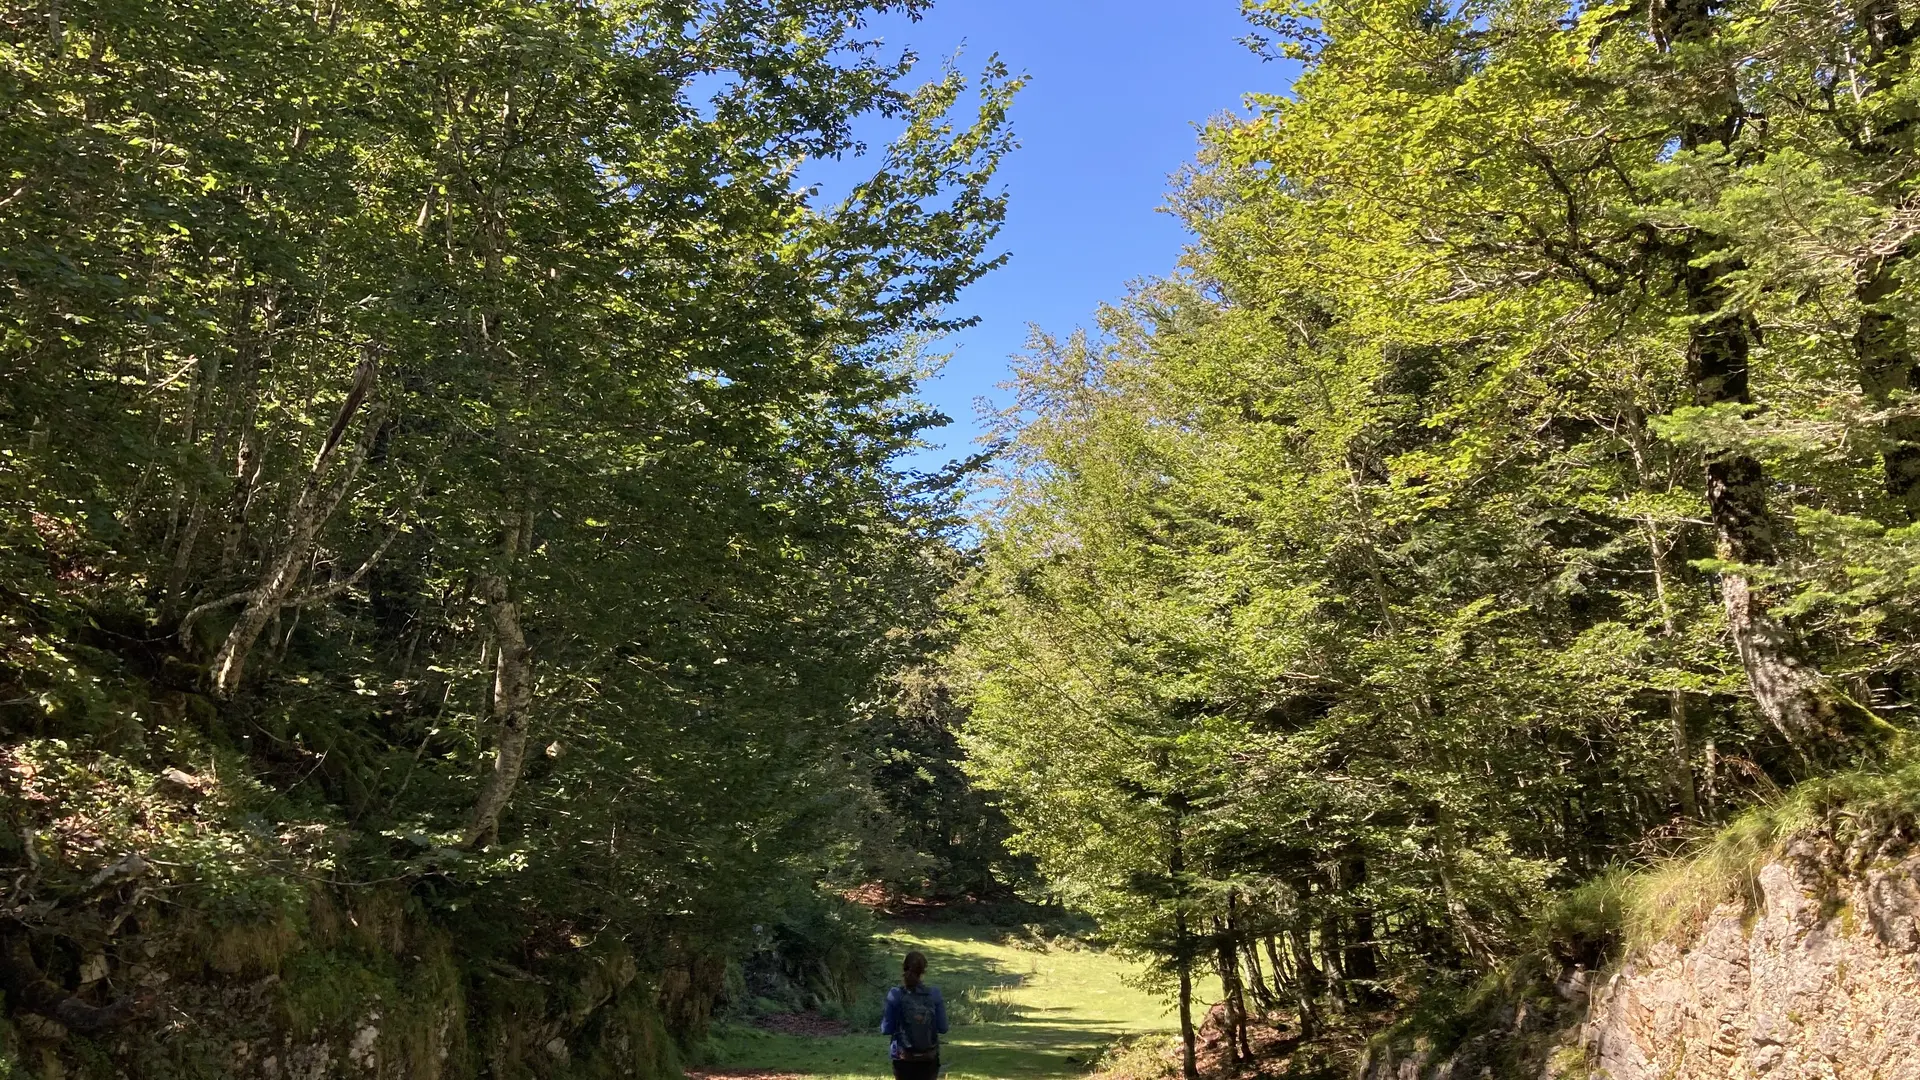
{"points": [[1115, 93]]}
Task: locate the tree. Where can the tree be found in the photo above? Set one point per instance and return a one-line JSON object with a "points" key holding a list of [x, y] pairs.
{"points": [[476, 438], [1500, 483]]}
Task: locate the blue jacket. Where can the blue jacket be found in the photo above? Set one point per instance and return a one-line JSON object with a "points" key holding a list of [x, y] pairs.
{"points": [[891, 1019]]}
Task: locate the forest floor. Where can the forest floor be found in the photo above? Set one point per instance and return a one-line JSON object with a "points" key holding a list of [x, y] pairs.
{"points": [[1021, 1011]]}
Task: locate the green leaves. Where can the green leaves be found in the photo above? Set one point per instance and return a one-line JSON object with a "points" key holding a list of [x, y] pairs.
{"points": [[369, 338], [1399, 535]]}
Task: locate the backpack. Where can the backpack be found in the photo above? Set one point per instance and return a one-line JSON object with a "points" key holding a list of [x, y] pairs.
{"points": [[919, 1034]]}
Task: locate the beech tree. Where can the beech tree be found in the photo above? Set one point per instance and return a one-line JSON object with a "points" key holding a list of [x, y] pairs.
{"points": [[475, 435], [1512, 475]]}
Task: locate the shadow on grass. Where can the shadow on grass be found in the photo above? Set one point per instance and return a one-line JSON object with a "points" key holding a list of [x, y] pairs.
{"points": [[1017, 1041]]}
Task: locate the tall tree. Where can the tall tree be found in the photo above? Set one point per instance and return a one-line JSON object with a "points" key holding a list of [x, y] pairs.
{"points": [[455, 429]]}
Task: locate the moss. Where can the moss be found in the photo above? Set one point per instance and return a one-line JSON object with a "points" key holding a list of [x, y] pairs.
{"points": [[514, 1005], [257, 948], [1444, 1018], [226, 936], [373, 920], [629, 1042], [1570, 1063], [419, 999], [424, 1028], [325, 990]]}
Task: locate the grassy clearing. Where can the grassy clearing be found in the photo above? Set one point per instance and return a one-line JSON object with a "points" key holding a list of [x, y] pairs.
{"points": [[1018, 1013]]}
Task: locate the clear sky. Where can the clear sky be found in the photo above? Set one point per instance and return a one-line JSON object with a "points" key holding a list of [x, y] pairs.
{"points": [[1116, 91]]}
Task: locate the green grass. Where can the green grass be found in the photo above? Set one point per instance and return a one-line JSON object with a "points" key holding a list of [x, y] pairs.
{"points": [[1018, 1013], [1670, 899], [1626, 911]]}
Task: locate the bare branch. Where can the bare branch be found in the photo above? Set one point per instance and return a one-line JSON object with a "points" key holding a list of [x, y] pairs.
{"points": [[209, 607], [334, 589]]}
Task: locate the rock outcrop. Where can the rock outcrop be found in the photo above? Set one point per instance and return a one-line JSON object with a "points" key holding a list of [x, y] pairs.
{"points": [[1817, 978], [1813, 976]]}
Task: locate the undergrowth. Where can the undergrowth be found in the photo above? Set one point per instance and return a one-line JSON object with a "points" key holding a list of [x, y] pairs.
{"points": [[1151, 1056], [1857, 820], [1628, 910]]}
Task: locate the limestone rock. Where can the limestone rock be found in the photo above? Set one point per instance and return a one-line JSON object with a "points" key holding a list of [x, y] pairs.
{"points": [[1818, 980], [1821, 981]]}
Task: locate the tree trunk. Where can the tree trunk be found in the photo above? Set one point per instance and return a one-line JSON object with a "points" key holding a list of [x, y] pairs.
{"points": [[1360, 958], [310, 511], [511, 710], [1789, 691], [249, 458], [263, 605], [1189, 1060], [1473, 940], [1274, 963], [1308, 985], [1787, 688], [1329, 940], [1881, 345], [1887, 368], [1237, 1017], [1710, 777], [1262, 992], [1234, 1001], [191, 497], [1182, 939], [1232, 945], [215, 407]]}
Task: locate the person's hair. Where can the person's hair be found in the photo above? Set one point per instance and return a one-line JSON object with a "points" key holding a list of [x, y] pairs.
{"points": [[915, 963]]}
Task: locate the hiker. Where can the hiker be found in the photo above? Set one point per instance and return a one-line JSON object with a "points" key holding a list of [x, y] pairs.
{"points": [[916, 1017]]}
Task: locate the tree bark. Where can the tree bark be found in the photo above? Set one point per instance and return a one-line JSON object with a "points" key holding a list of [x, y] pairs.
{"points": [[311, 510], [1308, 985], [1189, 1060], [1882, 348], [1887, 368], [1235, 994], [1227, 958], [1360, 958], [1787, 687], [1182, 940], [1473, 940], [200, 402], [249, 458], [511, 710], [215, 408], [1257, 979], [1330, 941]]}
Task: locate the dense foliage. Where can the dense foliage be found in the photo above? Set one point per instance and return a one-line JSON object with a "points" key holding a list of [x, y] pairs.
{"points": [[450, 525], [1522, 471]]}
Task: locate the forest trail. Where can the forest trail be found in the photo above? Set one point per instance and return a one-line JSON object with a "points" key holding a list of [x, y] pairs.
{"points": [[1019, 1013]]}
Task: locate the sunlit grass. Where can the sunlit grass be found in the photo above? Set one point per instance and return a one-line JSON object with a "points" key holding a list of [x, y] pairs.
{"points": [[1670, 899], [1020, 1013]]}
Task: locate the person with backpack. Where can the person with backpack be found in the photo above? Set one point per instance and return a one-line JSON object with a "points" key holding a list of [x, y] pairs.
{"points": [[916, 1017]]}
